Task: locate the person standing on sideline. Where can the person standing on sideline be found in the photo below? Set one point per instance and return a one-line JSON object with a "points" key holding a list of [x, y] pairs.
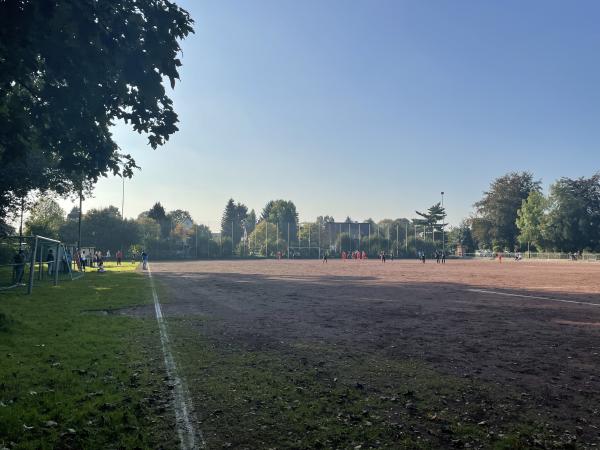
{"points": [[325, 258], [19, 266], [144, 260], [50, 260], [443, 257]]}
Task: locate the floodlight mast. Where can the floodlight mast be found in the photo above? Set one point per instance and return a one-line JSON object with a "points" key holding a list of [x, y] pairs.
{"points": [[79, 220], [123, 199], [443, 225]]}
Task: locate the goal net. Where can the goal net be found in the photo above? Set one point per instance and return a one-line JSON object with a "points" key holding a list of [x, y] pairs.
{"points": [[28, 261]]}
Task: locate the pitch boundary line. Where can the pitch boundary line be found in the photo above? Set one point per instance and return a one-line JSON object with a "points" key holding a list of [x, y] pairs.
{"points": [[182, 400], [535, 297]]}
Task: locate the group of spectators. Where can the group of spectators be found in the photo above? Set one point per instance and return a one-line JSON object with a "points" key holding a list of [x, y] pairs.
{"points": [[97, 259], [81, 259]]}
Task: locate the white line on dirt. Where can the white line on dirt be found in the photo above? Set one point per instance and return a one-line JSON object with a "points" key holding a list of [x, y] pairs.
{"points": [[184, 416], [535, 297]]}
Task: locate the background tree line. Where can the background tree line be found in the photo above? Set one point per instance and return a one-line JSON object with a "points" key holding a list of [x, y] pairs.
{"points": [[513, 215]]}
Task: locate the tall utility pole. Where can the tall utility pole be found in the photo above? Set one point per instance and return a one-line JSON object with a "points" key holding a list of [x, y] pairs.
{"points": [[350, 238], [415, 228], [123, 199], [79, 223], [21, 224], [443, 225], [319, 230]]}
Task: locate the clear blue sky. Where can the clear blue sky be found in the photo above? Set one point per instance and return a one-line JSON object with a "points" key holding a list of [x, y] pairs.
{"points": [[371, 108]]}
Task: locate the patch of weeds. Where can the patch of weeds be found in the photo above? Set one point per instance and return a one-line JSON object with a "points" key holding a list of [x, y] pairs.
{"points": [[5, 322], [311, 396]]}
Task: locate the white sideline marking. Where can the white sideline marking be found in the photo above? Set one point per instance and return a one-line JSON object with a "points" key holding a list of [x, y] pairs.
{"points": [[183, 414], [535, 297]]}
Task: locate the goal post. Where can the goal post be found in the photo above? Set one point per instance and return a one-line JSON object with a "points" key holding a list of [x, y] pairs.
{"points": [[49, 260]]}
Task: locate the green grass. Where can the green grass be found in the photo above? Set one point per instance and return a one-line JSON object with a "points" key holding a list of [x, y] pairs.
{"points": [[74, 379]]}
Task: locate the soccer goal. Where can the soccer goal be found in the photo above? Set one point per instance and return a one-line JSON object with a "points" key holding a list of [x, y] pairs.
{"points": [[28, 261]]}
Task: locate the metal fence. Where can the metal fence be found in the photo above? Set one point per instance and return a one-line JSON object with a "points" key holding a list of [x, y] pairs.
{"points": [[314, 240], [538, 256]]}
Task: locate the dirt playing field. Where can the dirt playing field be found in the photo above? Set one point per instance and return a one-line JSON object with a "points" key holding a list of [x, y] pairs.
{"points": [[512, 345]]}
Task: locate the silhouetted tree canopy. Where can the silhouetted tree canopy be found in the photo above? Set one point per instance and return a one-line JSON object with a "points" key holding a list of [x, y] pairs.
{"points": [[70, 69]]}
